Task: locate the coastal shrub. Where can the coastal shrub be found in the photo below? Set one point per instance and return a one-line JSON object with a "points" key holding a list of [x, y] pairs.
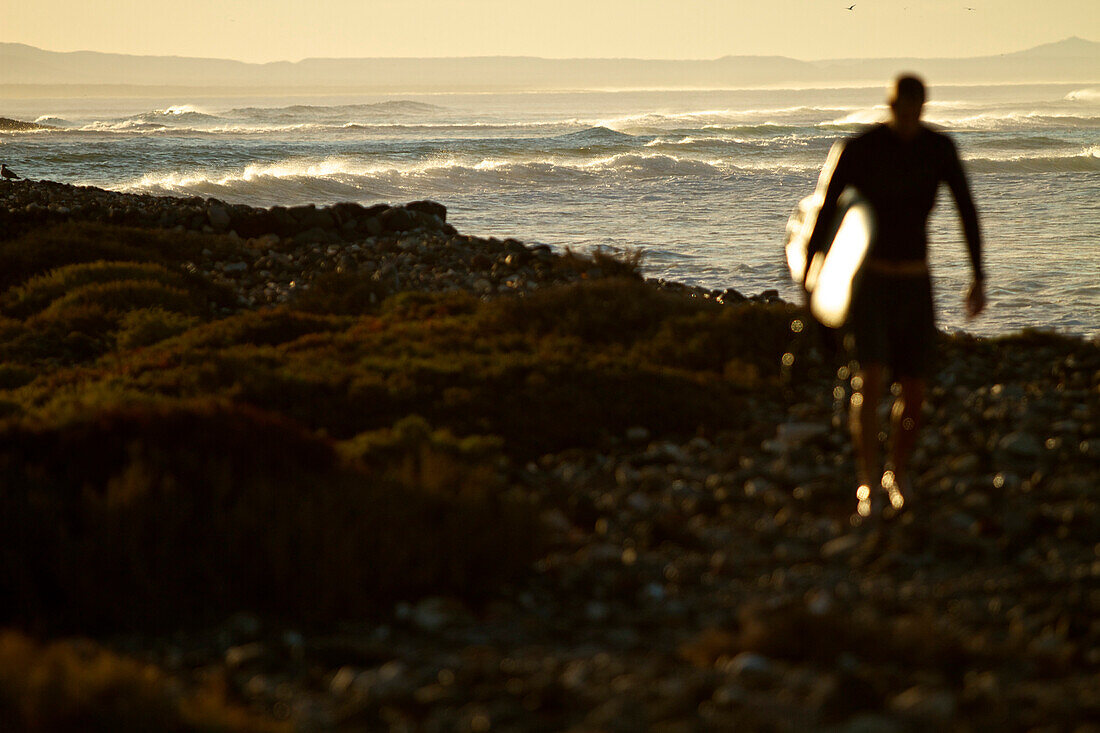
{"points": [[413, 454], [166, 514], [413, 305], [342, 293], [261, 328], [45, 249], [39, 292], [13, 376], [78, 685], [742, 340], [613, 310], [62, 336], [476, 368], [126, 295], [608, 264], [48, 248], [149, 326]]}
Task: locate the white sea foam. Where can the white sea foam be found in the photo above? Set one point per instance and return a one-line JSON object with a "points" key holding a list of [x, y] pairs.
{"points": [[859, 117], [440, 174], [1085, 161], [1084, 95], [575, 170]]}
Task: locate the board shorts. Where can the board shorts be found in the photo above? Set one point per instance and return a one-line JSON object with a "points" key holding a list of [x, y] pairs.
{"points": [[892, 322]]}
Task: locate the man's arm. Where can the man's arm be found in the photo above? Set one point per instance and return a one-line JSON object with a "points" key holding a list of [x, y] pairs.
{"points": [[839, 179], [960, 189]]}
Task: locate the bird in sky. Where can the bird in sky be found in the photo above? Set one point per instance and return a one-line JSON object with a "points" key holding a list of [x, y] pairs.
{"points": [[850, 7]]}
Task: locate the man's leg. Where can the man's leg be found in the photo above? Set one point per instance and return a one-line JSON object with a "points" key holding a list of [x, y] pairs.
{"points": [[905, 422], [867, 389]]}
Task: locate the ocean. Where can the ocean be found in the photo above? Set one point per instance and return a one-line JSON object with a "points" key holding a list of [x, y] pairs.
{"points": [[702, 181]]}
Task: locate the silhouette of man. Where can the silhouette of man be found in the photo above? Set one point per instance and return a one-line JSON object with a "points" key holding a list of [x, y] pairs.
{"points": [[897, 166]]}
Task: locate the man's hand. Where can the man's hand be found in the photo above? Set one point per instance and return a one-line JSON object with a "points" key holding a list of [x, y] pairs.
{"points": [[975, 298]]}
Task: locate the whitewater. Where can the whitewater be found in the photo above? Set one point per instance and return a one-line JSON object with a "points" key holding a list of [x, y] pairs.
{"points": [[701, 181]]}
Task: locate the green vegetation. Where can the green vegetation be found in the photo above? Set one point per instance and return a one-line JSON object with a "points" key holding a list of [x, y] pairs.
{"points": [[165, 465], [80, 686]]}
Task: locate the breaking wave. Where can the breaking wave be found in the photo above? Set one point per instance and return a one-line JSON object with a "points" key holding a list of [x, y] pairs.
{"points": [[1086, 161], [1084, 95], [342, 177]]}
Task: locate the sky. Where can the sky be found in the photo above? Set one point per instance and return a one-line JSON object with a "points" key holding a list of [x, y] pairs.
{"points": [[285, 30]]}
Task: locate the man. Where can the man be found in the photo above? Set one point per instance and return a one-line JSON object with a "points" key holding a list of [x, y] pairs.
{"points": [[896, 167]]}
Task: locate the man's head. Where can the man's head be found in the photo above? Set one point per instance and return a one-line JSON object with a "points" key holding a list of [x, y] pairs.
{"points": [[906, 103]]}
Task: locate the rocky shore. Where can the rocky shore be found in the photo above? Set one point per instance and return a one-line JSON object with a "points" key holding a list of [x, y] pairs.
{"points": [[404, 248], [713, 581]]}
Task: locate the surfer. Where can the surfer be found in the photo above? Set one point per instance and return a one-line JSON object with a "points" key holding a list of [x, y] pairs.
{"points": [[897, 167]]}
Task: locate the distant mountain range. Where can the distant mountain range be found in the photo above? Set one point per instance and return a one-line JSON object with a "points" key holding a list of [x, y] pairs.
{"points": [[1072, 60]]}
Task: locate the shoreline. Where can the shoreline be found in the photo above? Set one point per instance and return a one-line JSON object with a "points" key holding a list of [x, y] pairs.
{"points": [[423, 502], [303, 230]]}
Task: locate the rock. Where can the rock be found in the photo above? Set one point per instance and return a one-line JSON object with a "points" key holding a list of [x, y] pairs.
{"points": [[429, 207], [435, 614], [596, 611], [840, 546], [239, 656], [396, 220], [374, 226], [965, 464], [219, 217], [343, 681], [932, 707], [314, 235], [1019, 445], [636, 434], [796, 433], [752, 669], [346, 212], [729, 295], [871, 723]]}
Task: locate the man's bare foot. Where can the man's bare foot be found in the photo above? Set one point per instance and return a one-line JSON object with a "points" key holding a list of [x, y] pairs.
{"points": [[897, 488], [868, 501]]}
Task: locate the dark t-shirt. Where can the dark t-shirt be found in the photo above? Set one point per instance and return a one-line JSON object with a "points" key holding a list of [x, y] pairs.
{"points": [[899, 178]]}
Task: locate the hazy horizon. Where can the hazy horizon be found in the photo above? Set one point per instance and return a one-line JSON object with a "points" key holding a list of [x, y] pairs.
{"points": [[1050, 42], [253, 31]]}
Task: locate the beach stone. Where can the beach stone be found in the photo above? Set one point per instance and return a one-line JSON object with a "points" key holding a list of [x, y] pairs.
{"points": [[1019, 445], [396, 220], [343, 681], [932, 707], [796, 433], [219, 217], [346, 212], [751, 666], [840, 546], [436, 613], [429, 207], [239, 656], [965, 464], [871, 723], [729, 295]]}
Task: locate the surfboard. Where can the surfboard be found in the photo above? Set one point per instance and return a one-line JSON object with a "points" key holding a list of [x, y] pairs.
{"points": [[833, 275]]}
